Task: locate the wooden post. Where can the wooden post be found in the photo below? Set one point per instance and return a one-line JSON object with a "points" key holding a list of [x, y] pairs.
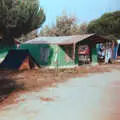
{"points": [[113, 45], [74, 51], [105, 51]]}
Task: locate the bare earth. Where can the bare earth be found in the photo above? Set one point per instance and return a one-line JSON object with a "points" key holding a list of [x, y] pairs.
{"points": [[89, 97]]}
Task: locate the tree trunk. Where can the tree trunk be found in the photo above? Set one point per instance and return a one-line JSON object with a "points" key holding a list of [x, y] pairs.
{"points": [[7, 39]]}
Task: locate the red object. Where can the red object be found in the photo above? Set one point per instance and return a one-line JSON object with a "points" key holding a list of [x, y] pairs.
{"points": [[17, 42], [84, 50]]}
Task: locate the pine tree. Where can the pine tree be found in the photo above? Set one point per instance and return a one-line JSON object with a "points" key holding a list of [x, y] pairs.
{"points": [[19, 17], [107, 25]]}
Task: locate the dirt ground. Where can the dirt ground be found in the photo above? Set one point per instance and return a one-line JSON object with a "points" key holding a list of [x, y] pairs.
{"points": [[80, 96], [13, 83]]}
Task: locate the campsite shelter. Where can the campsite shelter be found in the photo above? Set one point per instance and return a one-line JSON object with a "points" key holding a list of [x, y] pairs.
{"points": [[18, 60], [61, 51], [4, 51], [117, 51]]}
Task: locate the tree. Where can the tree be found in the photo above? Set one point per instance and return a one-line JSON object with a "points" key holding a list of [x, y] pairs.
{"points": [[29, 36], [107, 25], [19, 17], [48, 31], [65, 26]]}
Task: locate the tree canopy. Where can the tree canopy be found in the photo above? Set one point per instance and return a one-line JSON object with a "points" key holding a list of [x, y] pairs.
{"points": [[19, 17], [65, 25], [31, 35], [107, 25]]}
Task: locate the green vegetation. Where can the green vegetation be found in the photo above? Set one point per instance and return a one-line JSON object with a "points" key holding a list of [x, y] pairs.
{"points": [[65, 26], [107, 25], [19, 17]]}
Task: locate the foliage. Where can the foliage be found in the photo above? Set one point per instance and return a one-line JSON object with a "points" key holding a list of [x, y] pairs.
{"points": [[19, 17], [107, 25], [65, 26], [29, 36]]}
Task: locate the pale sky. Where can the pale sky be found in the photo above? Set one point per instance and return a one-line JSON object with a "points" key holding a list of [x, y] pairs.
{"points": [[85, 10]]}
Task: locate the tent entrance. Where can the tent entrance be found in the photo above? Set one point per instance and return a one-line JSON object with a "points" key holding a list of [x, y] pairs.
{"points": [[19, 60]]}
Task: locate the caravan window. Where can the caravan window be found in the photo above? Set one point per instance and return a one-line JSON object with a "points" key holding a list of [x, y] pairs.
{"points": [[44, 54]]}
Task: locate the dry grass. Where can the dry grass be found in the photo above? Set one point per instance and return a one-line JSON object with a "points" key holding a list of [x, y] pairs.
{"points": [[37, 79]]}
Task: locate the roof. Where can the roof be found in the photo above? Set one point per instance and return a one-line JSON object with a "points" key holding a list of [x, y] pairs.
{"points": [[66, 40], [59, 40]]}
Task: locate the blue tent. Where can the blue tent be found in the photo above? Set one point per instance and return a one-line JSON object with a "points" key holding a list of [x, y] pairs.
{"points": [[116, 49], [15, 58]]}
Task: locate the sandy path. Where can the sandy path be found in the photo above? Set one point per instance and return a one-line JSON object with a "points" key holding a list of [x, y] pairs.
{"points": [[95, 97]]}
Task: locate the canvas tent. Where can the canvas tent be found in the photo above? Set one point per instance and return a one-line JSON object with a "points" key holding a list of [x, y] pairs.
{"points": [[118, 48], [5, 49], [18, 59], [60, 51], [116, 55]]}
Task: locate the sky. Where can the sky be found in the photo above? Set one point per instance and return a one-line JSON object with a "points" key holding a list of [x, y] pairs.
{"points": [[84, 10]]}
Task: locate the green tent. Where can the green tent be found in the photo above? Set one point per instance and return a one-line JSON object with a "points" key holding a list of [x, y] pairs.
{"points": [[60, 51]]}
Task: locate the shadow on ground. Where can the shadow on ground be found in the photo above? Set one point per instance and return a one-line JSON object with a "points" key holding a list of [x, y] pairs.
{"points": [[7, 84]]}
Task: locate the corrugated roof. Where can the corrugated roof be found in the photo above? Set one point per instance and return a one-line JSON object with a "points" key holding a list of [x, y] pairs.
{"points": [[59, 40]]}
